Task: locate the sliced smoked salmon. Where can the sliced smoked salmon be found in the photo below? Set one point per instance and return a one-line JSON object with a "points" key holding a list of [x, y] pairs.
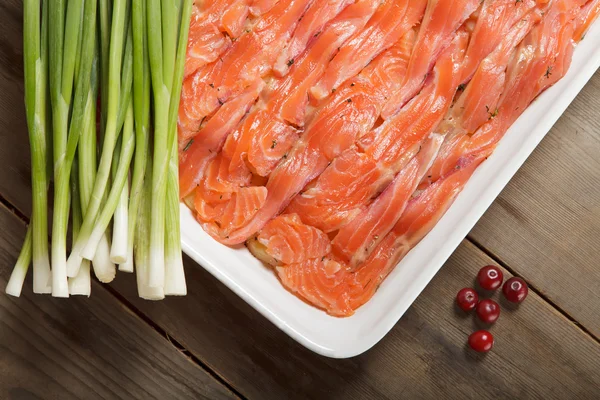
{"points": [[332, 135], [326, 282], [391, 21], [333, 128], [442, 19], [363, 171]]}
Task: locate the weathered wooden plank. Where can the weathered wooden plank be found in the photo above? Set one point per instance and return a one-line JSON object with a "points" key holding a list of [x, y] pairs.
{"points": [[538, 352], [85, 348], [14, 148], [546, 223]]}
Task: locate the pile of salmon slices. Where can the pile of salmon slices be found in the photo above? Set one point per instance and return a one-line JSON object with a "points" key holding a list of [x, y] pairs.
{"points": [[330, 136]]}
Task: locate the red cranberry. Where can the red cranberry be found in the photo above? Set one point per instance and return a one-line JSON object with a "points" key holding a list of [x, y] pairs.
{"points": [[467, 299], [488, 311], [515, 290], [481, 341], [490, 277]]}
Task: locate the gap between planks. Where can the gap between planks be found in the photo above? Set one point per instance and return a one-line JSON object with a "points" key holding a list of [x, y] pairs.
{"points": [[222, 380], [534, 289], [143, 317]]}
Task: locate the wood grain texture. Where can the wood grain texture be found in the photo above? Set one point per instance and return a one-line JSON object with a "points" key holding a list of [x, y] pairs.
{"points": [[538, 353], [546, 223], [85, 348], [14, 145], [88, 348]]}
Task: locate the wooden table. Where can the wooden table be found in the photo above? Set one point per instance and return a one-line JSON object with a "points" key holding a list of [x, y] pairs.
{"points": [[544, 227]]}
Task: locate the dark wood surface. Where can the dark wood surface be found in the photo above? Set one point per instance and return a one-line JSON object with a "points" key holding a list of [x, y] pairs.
{"points": [[543, 227], [85, 348], [538, 351], [546, 224]]}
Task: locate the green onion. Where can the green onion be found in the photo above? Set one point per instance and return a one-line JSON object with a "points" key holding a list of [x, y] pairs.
{"points": [[156, 268], [81, 284], [104, 269], [118, 251], [142, 240], [17, 277], [129, 56], [141, 106], [126, 153], [110, 134], [65, 131], [35, 49], [174, 273]]}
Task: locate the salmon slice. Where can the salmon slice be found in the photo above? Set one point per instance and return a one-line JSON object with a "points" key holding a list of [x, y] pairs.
{"points": [[391, 21], [250, 57], [226, 118], [194, 105], [361, 172], [271, 141], [268, 138], [478, 103], [493, 22], [587, 15], [290, 95], [233, 20], [309, 28], [326, 283], [206, 41], [542, 57], [340, 191], [244, 153], [260, 7], [442, 19], [323, 283], [355, 241], [209, 140], [420, 216], [288, 241], [333, 128], [243, 205]]}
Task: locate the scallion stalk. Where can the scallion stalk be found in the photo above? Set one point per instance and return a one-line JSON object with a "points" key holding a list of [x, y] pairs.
{"points": [[19, 272], [103, 268], [118, 251], [110, 133], [156, 268], [126, 154], [174, 273], [142, 240], [35, 49], [141, 106], [81, 284], [129, 55], [69, 132]]}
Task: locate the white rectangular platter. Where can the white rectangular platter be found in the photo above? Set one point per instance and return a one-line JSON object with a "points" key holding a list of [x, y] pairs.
{"points": [[348, 337]]}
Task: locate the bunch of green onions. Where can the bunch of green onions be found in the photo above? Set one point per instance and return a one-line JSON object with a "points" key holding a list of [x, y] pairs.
{"points": [[102, 87]]}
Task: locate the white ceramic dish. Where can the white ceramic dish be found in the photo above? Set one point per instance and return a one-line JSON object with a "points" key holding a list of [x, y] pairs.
{"points": [[347, 337]]}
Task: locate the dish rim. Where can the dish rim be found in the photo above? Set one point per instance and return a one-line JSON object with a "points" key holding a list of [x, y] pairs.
{"points": [[468, 208]]}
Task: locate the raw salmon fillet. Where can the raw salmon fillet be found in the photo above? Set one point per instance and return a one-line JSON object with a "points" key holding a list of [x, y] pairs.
{"points": [[332, 135], [442, 19], [388, 24], [333, 128], [360, 173]]}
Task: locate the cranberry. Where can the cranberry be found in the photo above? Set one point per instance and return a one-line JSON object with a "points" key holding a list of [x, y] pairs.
{"points": [[488, 311], [467, 299], [515, 290], [481, 341], [490, 277]]}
